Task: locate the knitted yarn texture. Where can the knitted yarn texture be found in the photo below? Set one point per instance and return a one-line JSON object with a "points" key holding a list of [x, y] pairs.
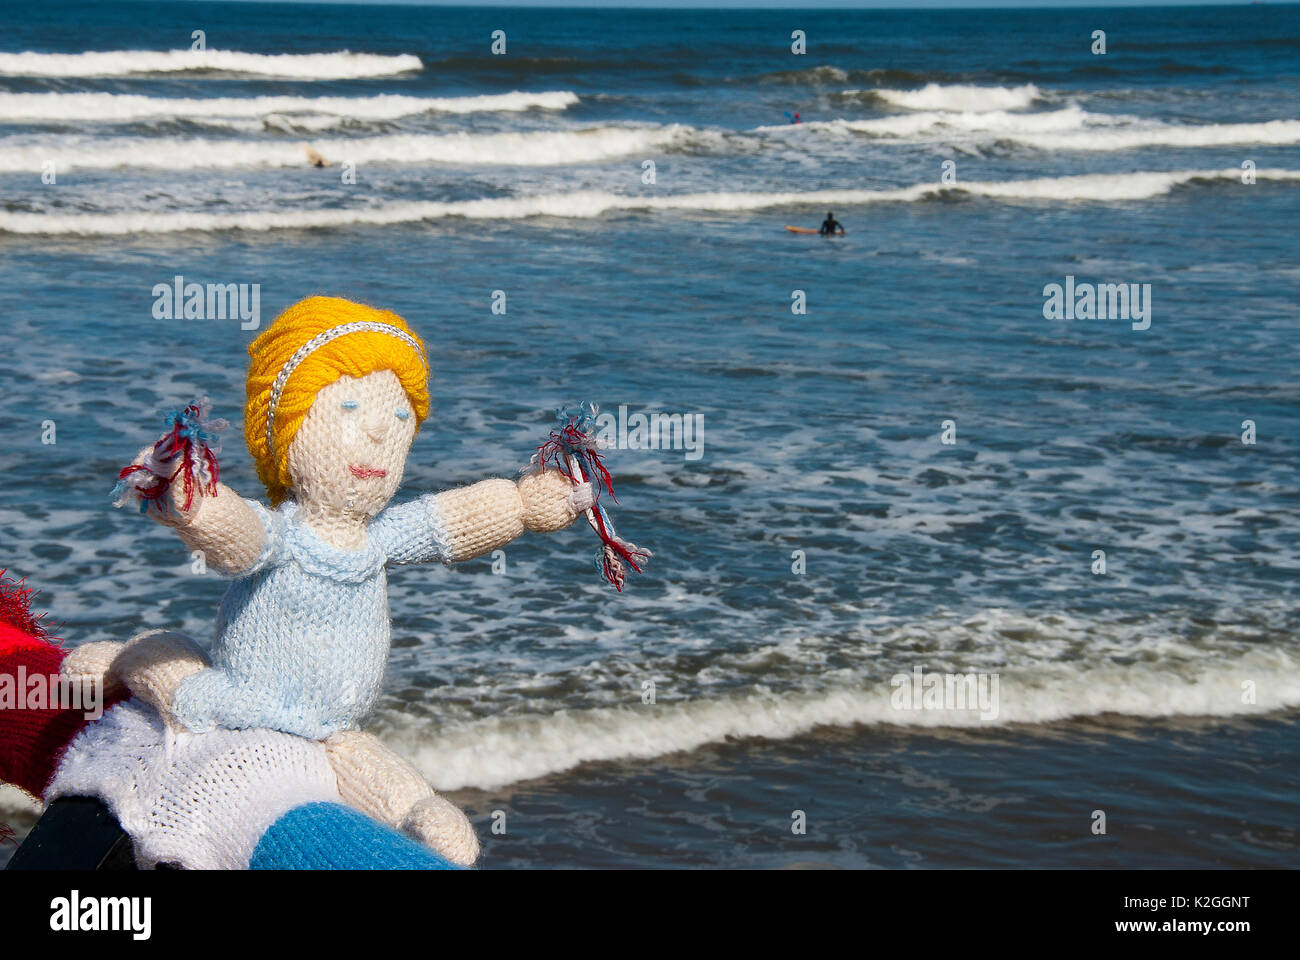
{"points": [[354, 355], [203, 801], [303, 636]]}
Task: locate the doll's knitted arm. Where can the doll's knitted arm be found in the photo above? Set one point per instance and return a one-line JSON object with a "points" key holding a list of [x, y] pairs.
{"points": [[216, 521], [226, 528], [478, 519]]}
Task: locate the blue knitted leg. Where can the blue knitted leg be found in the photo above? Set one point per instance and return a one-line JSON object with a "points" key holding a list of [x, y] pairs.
{"points": [[329, 836]]}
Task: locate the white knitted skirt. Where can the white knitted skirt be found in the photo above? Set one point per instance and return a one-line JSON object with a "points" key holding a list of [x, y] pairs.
{"points": [[196, 800]]}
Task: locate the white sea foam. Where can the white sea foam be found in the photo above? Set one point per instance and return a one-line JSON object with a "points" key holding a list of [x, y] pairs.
{"points": [[998, 122], [1069, 128], [116, 108], [962, 97], [929, 124], [1271, 133], [338, 65], [589, 204], [495, 751], [542, 148]]}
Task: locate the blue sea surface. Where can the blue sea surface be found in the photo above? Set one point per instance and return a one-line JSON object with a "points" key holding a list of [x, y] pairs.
{"points": [[624, 178]]}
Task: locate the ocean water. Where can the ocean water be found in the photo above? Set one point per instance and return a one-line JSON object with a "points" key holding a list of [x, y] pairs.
{"points": [[824, 538]]}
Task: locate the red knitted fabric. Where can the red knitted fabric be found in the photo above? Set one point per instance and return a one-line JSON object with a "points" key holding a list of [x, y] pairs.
{"points": [[32, 741]]}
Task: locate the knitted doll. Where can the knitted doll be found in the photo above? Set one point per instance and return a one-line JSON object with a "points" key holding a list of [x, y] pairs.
{"points": [[243, 799], [336, 393]]}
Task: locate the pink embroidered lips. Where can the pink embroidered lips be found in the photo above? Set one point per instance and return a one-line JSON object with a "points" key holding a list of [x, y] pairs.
{"points": [[362, 472]]}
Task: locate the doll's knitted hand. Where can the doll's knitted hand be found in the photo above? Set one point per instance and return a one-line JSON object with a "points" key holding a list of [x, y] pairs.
{"points": [[175, 513], [152, 666], [91, 661], [228, 533], [552, 501]]}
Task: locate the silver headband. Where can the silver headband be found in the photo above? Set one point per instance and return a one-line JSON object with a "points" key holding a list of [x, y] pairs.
{"points": [[315, 343]]}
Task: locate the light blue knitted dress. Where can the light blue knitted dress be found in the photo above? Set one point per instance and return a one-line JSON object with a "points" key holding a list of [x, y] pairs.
{"points": [[302, 638]]}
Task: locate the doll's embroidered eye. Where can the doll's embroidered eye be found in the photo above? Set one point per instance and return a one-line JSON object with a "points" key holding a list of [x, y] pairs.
{"points": [[402, 414], [350, 404]]}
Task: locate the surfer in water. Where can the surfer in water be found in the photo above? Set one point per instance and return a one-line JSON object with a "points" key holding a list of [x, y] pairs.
{"points": [[314, 158], [830, 225]]}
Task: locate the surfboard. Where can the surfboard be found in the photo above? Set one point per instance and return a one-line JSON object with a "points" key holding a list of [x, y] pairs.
{"points": [[799, 229]]}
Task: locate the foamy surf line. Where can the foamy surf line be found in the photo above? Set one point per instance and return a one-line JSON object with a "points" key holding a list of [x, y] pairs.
{"points": [[1070, 128], [496, 751], [338, 65], [118, 108], [542, 148], [937, 96], [932, 123], [1270, 134], [1101, 188]]}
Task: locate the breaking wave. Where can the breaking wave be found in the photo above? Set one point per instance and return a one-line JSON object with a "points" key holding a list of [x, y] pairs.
{"points": [[115, 108], [491, 752], [516, 149], [589, 204], [960, 97], [1070, 128], [340, 65]]}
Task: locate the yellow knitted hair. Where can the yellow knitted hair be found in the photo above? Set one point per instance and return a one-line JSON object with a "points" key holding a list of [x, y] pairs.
{"points": [[352, 354]]}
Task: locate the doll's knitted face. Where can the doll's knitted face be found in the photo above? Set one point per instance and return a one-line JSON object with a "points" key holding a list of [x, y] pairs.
{"points": [[350, 450]]}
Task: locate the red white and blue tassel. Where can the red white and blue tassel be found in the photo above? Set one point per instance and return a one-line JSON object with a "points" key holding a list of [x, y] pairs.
{"points": [[186, 452], [574, 450]]}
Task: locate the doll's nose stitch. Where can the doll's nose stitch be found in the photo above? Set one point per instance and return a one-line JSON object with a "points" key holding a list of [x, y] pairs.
{"points": [[375, 428]]}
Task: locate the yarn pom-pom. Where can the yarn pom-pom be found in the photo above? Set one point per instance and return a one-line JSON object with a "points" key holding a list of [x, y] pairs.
{"points": [[574, 449], [16, 609], [187, 452]]}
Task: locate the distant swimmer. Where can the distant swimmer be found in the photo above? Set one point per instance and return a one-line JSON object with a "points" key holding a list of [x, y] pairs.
{"points": [[314, 158], [830, 225], [793, 117]]}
